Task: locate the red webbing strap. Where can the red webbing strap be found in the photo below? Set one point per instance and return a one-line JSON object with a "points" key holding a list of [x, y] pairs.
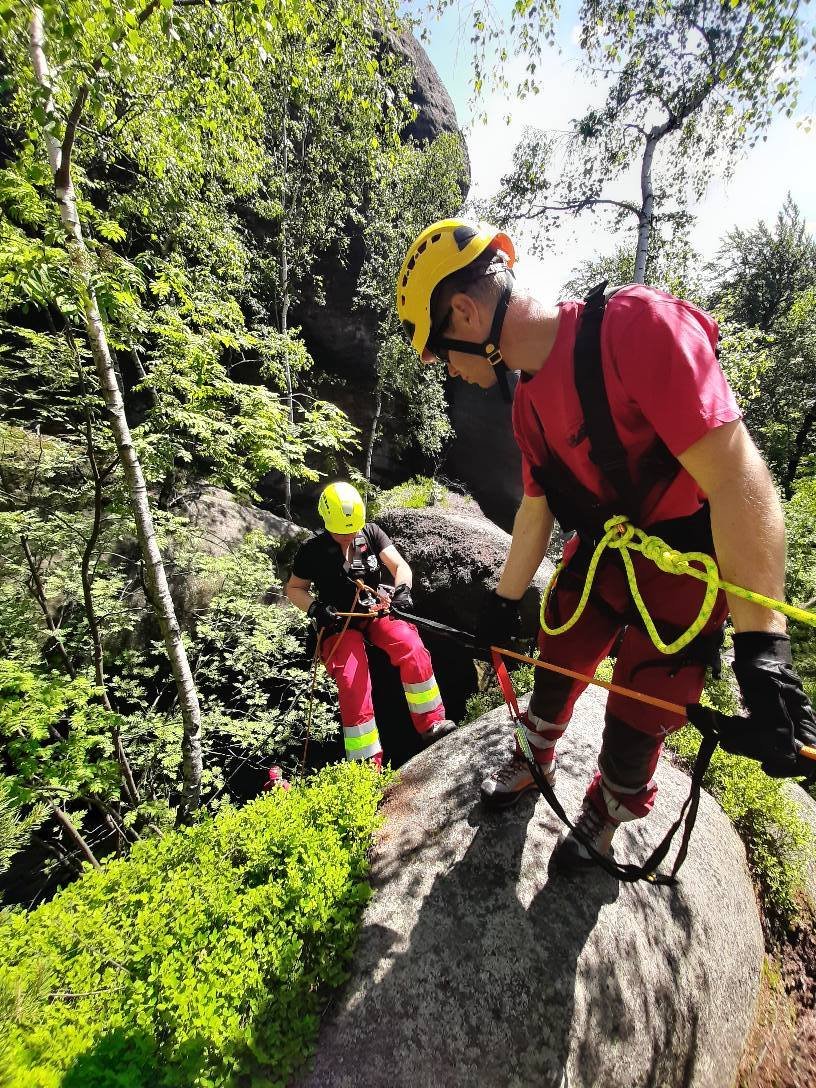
{"points": [[505, 683]]}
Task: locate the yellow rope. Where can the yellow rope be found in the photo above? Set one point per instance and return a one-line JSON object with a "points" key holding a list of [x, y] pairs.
{"points": [[621, 535]]}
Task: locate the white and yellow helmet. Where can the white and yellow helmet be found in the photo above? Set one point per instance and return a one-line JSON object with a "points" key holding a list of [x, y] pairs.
{"points": [[342, 508]]}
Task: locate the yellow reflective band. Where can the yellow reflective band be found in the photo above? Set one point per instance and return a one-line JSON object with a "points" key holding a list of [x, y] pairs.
{"points": [[422, 697], [355, 743]]}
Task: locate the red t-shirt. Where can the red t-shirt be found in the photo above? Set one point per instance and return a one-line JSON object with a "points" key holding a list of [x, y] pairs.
{"points": [[662, 379]]}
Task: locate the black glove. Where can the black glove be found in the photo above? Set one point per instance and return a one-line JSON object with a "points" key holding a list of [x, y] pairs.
{"points": [[401, 597], [780, 718], [499, 622], [324, 615]]}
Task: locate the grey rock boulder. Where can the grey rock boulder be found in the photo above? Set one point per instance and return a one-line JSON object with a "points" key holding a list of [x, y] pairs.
{"points": [[456, 557], [474, 968]]}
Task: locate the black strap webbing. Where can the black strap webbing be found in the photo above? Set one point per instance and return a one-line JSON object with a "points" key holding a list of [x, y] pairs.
{"points": [[606, 448], [647, 871]]}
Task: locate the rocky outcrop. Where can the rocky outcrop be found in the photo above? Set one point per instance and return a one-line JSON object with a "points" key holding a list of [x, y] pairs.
{"points": [[456, 558], [475, 968], [339, 335], [484, 455]]}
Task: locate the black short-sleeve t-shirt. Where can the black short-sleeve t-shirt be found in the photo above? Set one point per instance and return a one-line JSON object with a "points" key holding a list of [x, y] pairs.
{"points": [[320, 561]]}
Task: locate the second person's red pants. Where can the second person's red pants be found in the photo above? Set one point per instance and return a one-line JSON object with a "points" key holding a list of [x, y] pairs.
{"points": [[346, 661]]}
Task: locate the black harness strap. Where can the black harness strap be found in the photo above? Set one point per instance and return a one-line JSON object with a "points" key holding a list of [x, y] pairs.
{"points": [[573, 505], [647, 871]]}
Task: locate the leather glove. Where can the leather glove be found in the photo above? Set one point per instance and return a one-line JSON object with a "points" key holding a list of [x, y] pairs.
{"points": [[780, 719], [324, 615], [499, 623], [401, 597]]}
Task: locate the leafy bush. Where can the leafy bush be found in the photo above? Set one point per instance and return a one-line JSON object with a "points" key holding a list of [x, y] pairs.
{"points": [[482, 702], [777, 841], [203, 957], [415, 494]]}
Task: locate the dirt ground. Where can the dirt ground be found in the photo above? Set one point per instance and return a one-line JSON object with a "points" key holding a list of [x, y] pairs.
{"points": [[781, 1050]]}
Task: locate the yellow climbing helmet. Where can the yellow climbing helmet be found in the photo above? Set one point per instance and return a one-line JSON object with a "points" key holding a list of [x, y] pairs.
{"points": [[441, 249], [342, 508]]}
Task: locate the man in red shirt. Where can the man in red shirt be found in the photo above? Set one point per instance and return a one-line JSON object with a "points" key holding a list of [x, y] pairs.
{"points": [[676, 458]]}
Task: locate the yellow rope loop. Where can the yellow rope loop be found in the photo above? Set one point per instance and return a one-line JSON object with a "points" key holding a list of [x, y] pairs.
{"points": [[624, 537], [613, 533]]}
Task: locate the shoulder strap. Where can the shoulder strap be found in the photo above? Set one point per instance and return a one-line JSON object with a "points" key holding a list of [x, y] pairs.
{"points": [[605, 447]]}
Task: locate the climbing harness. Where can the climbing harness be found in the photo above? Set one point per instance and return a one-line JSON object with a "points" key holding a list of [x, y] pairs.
{"points": [[620, 535]]}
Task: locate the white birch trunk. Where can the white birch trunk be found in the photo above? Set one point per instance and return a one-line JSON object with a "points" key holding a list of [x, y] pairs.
{"points": [[284, 273], [154, 566], [646, 208]]}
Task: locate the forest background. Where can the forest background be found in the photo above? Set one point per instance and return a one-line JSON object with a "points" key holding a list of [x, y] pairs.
{"points": [[175, 179]]}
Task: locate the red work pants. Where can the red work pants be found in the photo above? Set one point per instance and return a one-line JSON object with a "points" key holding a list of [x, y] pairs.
{"points": [[345, 658], [634, 732]]}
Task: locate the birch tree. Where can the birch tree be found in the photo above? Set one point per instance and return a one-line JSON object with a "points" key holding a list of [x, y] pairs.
{"points": [[689, 87]]}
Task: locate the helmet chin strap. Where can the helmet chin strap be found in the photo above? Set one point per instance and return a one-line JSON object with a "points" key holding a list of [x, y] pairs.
{"points": [[490, 347]]}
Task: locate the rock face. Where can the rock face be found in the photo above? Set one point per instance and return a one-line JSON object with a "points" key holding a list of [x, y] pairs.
{"points": [[456, 558], [484, 454], [475, 968], [340, 337]]}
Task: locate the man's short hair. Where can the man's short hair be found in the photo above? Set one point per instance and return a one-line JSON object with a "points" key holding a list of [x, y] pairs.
{"points": [[483, 279]]}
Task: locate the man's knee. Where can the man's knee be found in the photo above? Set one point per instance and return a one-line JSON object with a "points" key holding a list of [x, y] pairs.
{"points": [[628, 756]]}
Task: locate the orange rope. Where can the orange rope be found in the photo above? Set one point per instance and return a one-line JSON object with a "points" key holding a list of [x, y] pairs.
{"points": [[674, 708]]}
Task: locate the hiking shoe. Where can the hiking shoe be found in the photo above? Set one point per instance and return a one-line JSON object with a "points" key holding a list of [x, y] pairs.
{"points": [[511, 781], [570, 855], [437, 731]]}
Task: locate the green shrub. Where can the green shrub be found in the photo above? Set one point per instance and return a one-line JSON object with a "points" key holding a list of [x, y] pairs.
{"points": [[482, 702], [202, 959], [415, 494]]}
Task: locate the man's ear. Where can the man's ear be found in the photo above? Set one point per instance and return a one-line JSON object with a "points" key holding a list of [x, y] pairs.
{"points": [[466, 309]]}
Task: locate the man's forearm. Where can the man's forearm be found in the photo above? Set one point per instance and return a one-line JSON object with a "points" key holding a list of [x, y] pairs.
{"points": [[531, 535], [300, 598], [403, 575], [749, 540]]}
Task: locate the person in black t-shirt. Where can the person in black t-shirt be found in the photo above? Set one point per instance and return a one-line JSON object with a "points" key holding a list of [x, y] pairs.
{"points": [[331, 563]]}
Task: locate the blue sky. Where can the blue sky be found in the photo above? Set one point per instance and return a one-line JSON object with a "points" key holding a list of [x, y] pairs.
{"points": [[785, 161]]}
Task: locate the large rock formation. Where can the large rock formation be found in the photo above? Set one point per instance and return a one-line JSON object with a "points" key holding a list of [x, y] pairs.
{"points": [[457, 556], [484, 455], [475, 968], [341, 337]]}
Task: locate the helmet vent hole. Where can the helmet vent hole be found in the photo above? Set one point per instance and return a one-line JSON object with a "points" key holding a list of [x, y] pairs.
{"points": [[435, 238]]}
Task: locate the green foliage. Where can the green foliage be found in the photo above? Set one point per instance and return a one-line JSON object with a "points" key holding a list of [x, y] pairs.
{"points": [[778, 842], [490, 696], [56, 737], [202, 959], [423, 185], [688, 85], [418, 493], [15, 824], [759, 271]]}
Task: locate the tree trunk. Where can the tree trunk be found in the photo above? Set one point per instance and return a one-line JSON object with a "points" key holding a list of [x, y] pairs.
{"points": [[153, 564], [372, 438], [73, 833], [798, 450], [646, 208], [284, 318]]}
